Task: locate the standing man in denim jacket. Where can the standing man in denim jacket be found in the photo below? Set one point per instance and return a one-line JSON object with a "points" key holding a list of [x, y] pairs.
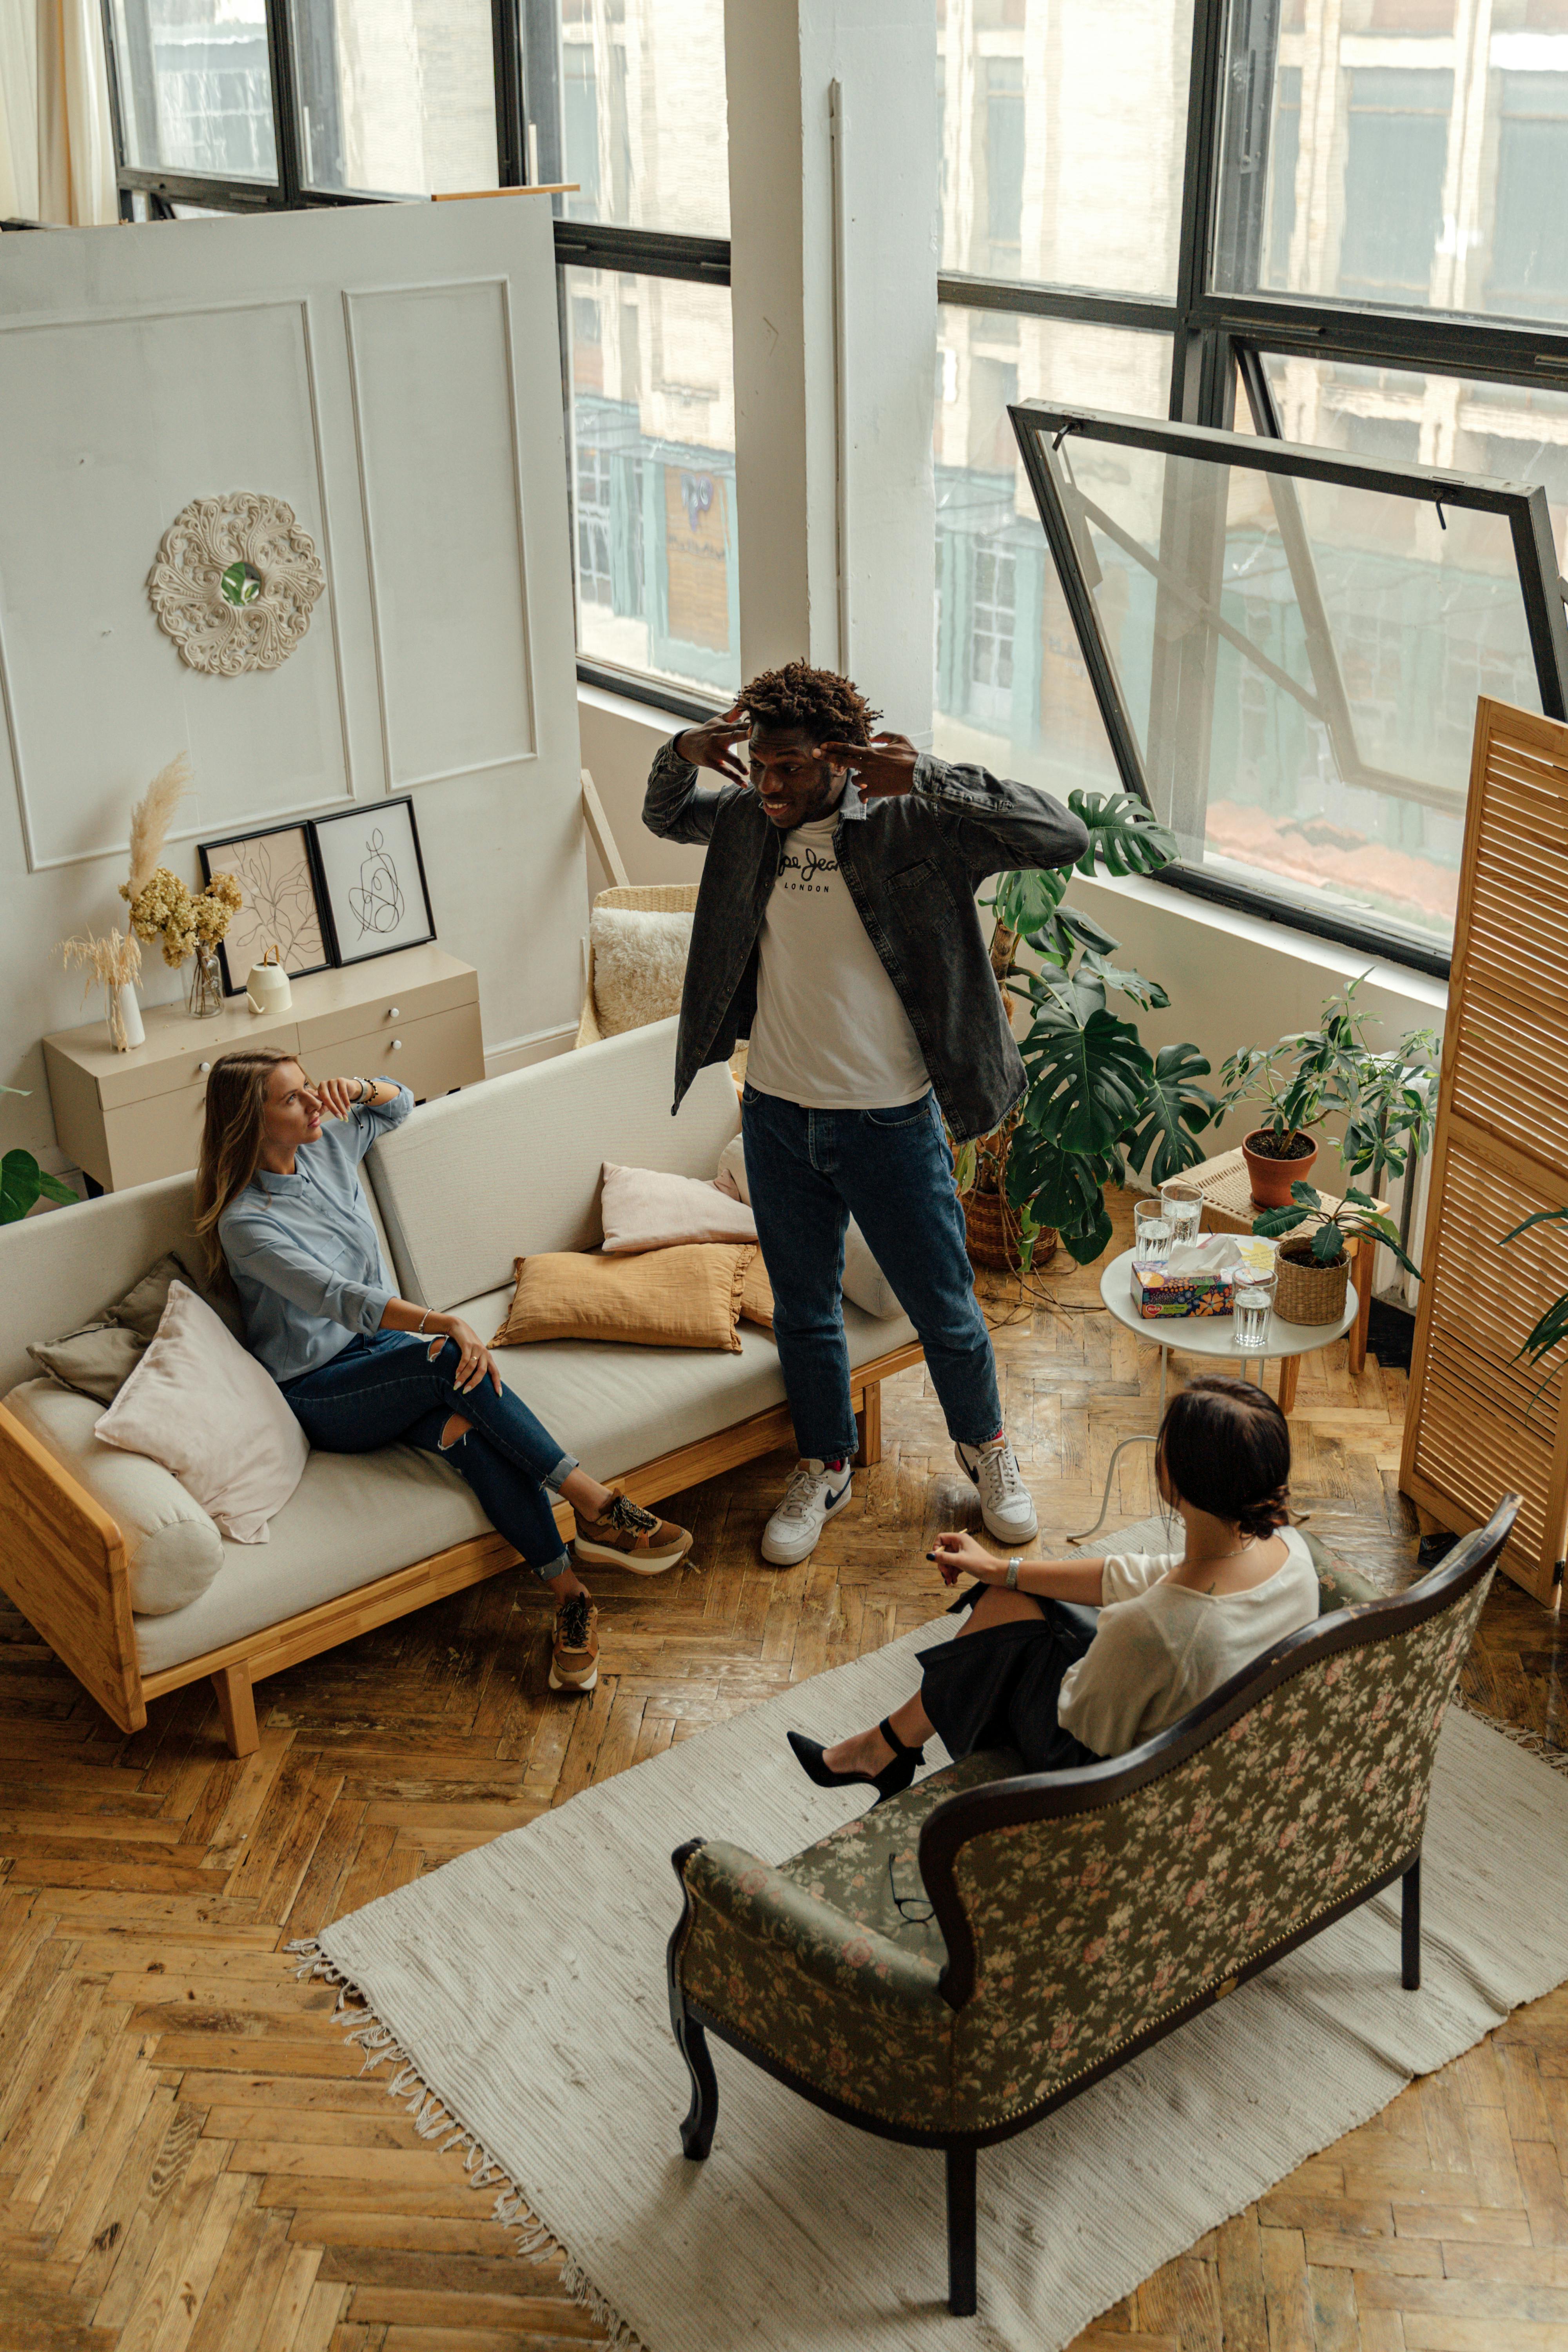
{"points": [[836, 929]]}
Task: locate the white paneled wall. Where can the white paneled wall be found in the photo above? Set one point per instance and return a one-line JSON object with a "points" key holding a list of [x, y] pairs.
{"points": [[393, 373]]}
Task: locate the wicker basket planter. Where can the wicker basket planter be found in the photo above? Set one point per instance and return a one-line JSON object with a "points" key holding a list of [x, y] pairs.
{"points": [[1306, 1292], [991, 1230]]}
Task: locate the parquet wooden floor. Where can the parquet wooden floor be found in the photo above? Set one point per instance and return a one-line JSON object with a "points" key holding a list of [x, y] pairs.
{"points": [[189, 2158]]}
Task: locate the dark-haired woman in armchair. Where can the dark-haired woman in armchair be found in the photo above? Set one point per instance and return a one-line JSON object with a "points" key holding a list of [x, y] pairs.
{"points": [[1037, 1670]]}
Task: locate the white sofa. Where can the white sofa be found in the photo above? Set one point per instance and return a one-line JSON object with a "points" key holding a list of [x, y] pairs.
{"points": [[467, 1184]]}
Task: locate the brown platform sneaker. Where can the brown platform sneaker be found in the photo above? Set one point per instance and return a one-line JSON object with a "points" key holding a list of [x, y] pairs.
{"points": [[629, 1537], [574, 1658]]}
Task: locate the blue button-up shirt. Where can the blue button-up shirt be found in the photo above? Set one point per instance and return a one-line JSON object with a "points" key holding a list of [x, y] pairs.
{"points": [[303, 1251]]}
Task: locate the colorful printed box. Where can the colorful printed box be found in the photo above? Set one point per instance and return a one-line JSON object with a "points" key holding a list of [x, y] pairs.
{"points": [[1156, 1293]]}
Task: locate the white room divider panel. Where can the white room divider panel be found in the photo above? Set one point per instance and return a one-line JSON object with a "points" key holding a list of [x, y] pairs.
{"points": [[391, 373]]}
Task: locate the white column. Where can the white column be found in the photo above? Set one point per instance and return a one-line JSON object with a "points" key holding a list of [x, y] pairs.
{"points": [[781, 58]]}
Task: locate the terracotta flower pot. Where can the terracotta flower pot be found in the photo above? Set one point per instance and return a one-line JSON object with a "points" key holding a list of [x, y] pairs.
{"points": [[1272, 1179]]}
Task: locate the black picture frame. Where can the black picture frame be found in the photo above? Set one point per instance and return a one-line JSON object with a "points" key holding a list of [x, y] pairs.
{"points": [[333, 925], [209, 852]]}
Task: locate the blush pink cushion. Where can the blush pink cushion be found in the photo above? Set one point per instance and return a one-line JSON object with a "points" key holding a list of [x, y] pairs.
{"points": [[644, 1209], [201, 1404]]}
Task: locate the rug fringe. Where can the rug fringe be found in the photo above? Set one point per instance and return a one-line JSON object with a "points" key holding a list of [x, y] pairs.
{"points": [[433, 2120], [1534, 1743]]}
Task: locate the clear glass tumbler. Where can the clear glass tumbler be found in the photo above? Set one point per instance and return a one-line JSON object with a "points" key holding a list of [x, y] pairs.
{"points": [[1151, 1234], [1184, 1208], [1254, 1307]]}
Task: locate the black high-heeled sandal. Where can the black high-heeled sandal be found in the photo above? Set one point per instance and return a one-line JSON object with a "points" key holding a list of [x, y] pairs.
{"points": [[891, 1781]]}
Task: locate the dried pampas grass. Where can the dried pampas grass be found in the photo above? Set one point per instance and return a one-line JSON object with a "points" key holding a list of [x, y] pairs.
{"points": [[111, 965], [150, 821]]}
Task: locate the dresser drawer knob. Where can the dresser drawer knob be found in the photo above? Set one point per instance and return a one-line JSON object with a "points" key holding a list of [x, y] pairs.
{"points": [[203, 1067], [392, 1012], [397, 1045]]}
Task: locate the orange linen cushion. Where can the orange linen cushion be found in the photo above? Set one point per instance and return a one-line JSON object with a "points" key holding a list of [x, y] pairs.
{"points": [[688, 1296], [757, 1296]]}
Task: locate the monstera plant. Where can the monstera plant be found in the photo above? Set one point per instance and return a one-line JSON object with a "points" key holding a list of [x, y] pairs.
{"points": [[23, 1181], [1099, 1101]]}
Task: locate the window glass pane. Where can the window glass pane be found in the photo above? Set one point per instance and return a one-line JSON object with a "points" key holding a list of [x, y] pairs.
{"points": [[652, 476], [195, 88], [1012, 690], [1517, 431], [1062, 131], [397, 99], [1414, 154], [1300, 662], [626, 97]]}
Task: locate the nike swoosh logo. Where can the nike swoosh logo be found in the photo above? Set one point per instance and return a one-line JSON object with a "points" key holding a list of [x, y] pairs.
{"points": [[834, 1500]]}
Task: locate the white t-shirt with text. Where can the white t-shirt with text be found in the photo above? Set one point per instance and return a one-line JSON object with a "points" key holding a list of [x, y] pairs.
{"points": [[830, 1033]]}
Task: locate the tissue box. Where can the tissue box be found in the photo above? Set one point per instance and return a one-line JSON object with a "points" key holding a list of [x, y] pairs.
{"points": [[1156, 1292]]}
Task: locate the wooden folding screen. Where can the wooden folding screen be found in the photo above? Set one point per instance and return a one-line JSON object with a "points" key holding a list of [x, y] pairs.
{"points": [[1478, 1422]]}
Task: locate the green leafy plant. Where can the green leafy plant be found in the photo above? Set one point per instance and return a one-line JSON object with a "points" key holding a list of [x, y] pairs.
{"points": [[1552, 1328], [1357, 1218], [1099, 1101], [1386, 1096], [23, 1181]]}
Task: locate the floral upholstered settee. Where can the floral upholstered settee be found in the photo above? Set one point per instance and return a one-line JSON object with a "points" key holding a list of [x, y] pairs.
{"points": [[968, 1956]]}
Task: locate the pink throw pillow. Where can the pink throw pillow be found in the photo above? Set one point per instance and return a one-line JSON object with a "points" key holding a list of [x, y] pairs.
{"points": [[201, 1404], [644, 1209]]}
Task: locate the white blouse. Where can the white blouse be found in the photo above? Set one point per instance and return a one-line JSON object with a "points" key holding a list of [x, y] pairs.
{"points": [[1162, 1647]]}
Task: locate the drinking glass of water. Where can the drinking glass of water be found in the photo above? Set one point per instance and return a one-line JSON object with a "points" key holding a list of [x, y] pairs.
{"points": [[1253, 1305], [1151, 1235], [1183, 1209]]}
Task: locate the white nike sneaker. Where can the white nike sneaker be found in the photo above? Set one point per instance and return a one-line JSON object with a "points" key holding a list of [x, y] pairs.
{"points": [[814, 1493], [1005, 1504]]}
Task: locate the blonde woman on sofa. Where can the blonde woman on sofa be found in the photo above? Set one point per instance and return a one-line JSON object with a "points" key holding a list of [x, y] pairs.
{"points": [[1066, 1684], [279, 1205]]}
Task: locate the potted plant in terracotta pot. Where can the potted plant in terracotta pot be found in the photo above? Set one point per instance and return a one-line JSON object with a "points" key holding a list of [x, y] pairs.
{"points": [[1294, 1081], [1314, 1270]]}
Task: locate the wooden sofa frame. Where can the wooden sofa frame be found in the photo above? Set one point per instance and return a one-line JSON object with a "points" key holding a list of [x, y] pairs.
{"points": [[1055, 1796], [62, 1562]]}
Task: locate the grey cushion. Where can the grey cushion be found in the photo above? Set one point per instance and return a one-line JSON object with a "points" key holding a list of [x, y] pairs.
{"points": [[99, 1359]]}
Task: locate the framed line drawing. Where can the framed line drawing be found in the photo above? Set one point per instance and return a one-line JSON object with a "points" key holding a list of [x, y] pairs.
{"points": [[373, 891], [277, 870]]}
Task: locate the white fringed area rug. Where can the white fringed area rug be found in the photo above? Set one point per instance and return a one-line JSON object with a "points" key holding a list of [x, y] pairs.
{"points": [[522, 1986]]}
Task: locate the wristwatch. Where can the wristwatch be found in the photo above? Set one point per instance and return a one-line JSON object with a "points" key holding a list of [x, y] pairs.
{"points": [[366, 1089], [1012, 1567]]}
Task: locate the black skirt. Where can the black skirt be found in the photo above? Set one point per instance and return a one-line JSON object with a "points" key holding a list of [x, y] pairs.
{"points": [[999, 1687]]}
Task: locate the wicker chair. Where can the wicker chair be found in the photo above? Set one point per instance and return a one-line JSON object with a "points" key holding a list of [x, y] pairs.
{"points": [[650, 898], [1072, 1918]]}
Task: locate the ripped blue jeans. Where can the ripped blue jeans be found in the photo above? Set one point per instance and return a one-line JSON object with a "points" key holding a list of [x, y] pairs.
{"points": [[383, 1390]]}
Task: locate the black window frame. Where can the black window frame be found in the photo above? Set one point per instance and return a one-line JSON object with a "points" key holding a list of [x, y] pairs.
{"points": [[1219, 342]]}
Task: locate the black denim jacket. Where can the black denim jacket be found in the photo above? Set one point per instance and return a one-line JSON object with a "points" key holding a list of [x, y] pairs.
{"points": [[912, 864]]}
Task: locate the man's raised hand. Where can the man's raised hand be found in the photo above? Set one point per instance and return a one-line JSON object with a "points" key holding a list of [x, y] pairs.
{"points": [[884, 768], [712, 745]]}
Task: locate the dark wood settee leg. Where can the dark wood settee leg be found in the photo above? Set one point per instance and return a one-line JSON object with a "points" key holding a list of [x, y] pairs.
{"points": [[1410, 1928], [696, 2129], [961, 2231]]}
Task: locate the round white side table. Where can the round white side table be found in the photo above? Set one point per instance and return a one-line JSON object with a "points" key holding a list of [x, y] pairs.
{"points": [[1202, 1335]]}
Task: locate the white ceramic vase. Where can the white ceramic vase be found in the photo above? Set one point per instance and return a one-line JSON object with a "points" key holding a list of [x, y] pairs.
{"points": [[130, 1016]]}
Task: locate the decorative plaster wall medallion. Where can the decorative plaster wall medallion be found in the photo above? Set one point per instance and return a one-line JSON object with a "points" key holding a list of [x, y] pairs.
{"points": [[235, 581]]}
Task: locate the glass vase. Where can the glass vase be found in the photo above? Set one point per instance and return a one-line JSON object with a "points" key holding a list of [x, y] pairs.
{"points": [[204, 989]]}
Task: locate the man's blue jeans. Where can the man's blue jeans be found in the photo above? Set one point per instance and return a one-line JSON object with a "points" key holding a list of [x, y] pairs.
{"points": [[383, 1390], [808, 1172]]}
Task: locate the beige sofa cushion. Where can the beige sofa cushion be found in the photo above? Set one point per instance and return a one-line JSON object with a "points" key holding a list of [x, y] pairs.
{"points": [[510, 1168], [172, 1549], [355, 1517]]}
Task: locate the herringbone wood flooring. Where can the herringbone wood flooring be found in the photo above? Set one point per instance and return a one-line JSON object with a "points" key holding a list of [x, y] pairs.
{"points": [[189, 2158]]}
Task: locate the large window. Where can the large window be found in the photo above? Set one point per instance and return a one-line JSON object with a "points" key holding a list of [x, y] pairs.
{"points": [[1356, 217]]}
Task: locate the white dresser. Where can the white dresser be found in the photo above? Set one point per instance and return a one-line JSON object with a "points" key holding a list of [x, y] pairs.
{"points": [[126, 1118]]}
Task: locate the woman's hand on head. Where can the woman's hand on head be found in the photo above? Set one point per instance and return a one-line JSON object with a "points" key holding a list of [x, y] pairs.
{"points": [[337, 1097], [960, 1554], [475, 1362]]}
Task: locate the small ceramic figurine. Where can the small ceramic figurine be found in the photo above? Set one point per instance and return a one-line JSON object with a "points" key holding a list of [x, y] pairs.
{"points": [[267, 989]]}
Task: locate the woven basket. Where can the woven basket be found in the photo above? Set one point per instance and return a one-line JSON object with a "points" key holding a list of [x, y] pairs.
{"points": [[990, 1229], [1306, 1292]]}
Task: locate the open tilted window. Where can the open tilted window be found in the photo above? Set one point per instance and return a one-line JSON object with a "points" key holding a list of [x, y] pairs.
{"points": [[1286, 646]]}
